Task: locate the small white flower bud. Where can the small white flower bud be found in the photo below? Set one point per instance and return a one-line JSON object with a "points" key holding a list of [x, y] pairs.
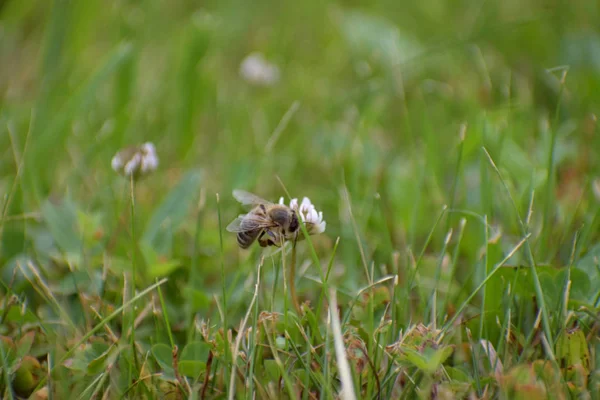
{"points": [[135, 161], [255, 69]]}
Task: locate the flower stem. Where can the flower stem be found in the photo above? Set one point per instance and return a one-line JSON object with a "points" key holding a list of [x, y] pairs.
{"points": [[292, 282], [133, 279]]}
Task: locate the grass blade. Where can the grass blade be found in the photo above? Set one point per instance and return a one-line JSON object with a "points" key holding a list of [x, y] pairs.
{"points": [[347, 391], [536, 280]]}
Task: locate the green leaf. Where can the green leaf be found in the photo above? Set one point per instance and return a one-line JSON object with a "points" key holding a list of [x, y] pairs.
{"points": [[581, 288], [172, 212], [191, 368], [15, 314], [292, 326], [9, 351], [156, 266], [24, 344], [62, 221], [457, 374], [572, 349], [430, 359], [591, 266], [195, 351], [91, 359], [192, 358], [163, 355], [98, 364]]}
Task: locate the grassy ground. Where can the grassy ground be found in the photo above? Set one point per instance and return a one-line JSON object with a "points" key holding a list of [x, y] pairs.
{"points": [[452, 147]]}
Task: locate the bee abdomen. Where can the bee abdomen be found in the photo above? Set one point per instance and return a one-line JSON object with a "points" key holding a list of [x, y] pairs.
{"points": [[246, 238]]}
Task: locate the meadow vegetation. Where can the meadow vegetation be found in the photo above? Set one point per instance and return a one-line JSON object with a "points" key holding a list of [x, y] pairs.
{"points": [[453, 148]]}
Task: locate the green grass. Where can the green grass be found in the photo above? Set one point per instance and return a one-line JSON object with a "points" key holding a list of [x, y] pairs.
{"points": [[453, 150]]}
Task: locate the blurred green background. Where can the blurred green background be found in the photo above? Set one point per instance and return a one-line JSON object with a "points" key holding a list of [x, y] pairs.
{"points": [[376, 95]]}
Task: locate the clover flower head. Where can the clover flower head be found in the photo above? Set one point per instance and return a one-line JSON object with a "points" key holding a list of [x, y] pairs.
{"points": [[255, 69], [313, 219], [136, 161]]}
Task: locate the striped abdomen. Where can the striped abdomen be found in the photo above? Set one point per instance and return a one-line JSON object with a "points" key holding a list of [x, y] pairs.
{"points": [[246, 238]]}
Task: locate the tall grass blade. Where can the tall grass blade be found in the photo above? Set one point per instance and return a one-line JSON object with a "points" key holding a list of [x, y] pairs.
{"points": [[536, 280]]}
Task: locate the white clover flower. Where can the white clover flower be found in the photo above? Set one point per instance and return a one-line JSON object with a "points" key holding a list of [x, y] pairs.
{"points": [[313, 219], [136, 162], [255, 69]]}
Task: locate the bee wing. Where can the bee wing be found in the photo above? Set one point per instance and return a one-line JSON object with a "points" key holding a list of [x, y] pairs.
{"points": [[236, 224], [248, 222], [247, 198]]}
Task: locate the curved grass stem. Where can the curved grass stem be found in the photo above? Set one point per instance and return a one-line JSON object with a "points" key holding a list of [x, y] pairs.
{"points": [[292, 281]]}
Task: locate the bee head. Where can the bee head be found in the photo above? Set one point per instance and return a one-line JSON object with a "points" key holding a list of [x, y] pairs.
{"points": [[294, 225]]}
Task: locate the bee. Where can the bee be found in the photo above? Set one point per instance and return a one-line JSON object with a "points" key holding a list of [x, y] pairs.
{"points": [[267, 222]]}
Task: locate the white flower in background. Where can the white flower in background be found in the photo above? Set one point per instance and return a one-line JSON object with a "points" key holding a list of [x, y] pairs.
{"points": [[313, 219], [255, 69], [136, 161], [596, 188]]}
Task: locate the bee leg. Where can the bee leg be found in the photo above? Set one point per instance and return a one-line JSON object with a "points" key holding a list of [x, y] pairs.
{"points": [[274, 239], [261, 241]]}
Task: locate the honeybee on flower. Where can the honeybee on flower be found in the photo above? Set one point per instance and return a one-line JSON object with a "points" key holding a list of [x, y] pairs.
{"points": [[272, 224]]}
